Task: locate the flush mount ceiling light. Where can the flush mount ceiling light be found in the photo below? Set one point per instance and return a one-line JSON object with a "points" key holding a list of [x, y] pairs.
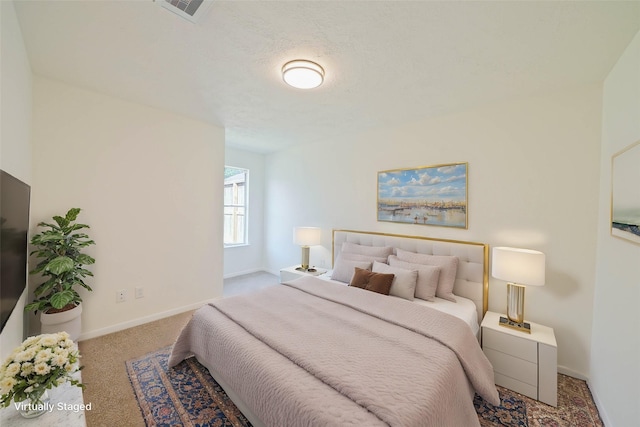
{"points": [[302, 74]]}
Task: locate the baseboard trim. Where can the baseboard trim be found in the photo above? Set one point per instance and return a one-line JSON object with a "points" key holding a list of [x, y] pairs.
{"points": [[601, 410], [242, 273], [566, 371], [142, 320]]}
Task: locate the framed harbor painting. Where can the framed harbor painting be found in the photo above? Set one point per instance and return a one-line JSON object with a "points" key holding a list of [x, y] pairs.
{"points": [[431, 195], [625, 193]]}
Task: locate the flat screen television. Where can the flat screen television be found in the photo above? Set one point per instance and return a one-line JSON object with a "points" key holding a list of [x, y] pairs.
{"points": [[14, 218]]}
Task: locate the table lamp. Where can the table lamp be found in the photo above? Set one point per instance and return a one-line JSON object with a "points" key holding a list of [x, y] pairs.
{"points": [[305, 237], [518, 267]]}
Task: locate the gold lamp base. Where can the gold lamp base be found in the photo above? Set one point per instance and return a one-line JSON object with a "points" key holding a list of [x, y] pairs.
{"points": [[305, 261], [515, 309], [522, 327]]}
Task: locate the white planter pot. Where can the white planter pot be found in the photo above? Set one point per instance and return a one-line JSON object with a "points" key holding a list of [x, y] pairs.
{"points": [[68, 321]]}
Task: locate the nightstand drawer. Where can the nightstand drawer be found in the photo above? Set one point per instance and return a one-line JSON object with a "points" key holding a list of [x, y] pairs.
{"points": [[513, 367], [526, 363], [515, 346], [517, 386]]}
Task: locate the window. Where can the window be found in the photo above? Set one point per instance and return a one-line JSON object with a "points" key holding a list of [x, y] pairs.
{"points": [[235, 206]]}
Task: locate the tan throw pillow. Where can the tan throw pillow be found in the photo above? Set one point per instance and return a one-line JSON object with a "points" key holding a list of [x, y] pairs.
{"points": [[374, 282], [427, 282], [448, 270]]}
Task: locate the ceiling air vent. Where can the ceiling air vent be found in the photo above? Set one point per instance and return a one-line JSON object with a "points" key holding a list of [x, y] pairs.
{"points": [[191, 10]]}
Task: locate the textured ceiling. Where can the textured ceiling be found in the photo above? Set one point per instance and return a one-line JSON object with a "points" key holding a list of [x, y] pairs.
{"points": [[386, 62]]}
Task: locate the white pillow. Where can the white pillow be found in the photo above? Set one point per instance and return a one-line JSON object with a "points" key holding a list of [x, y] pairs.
{"points": [[404, 281], [344, 269], [376, 251], [428, 275], [448, 269]]}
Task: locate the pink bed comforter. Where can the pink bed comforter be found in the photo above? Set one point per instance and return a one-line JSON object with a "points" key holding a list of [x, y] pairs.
{"points": [[314, 353]]}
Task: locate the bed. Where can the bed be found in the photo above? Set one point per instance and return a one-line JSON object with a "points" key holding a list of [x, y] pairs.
{"points": [[316, 352]]}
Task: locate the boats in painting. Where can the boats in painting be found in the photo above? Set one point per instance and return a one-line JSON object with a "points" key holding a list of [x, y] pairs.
{"points": [[434, 195]]}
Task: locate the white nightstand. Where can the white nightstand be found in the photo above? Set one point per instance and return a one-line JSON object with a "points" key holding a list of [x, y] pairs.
{"points": [[525, 363], [291, 273]]}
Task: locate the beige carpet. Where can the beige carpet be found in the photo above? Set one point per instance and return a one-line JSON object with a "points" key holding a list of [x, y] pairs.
{"points": [[105, 375]]}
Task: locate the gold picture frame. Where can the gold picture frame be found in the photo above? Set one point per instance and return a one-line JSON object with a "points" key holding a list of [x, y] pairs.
{"points": [[625, 193], [429, 195]]}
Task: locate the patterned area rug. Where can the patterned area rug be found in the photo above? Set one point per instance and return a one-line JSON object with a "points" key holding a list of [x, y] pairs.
{"points": [[576, 407], [187, 395]]}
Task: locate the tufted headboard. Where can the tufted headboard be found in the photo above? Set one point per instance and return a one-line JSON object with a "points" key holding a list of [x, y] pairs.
{"points": [[472, 278]]}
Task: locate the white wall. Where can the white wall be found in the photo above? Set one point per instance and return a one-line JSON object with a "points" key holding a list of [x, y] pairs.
{"points": [[615, 347], [15, 137], [533, 183], [248, 258], [149, 184]]}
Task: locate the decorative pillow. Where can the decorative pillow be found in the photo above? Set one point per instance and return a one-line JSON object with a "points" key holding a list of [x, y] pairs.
{"points": [[427, 281], [448, 269], [374, 282], [344, 268], [375, 251], [360, 257], [404, 281]]}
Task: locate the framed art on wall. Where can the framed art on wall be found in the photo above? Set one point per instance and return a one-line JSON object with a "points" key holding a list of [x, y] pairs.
{"points": [[625, 193], [430, 195]]}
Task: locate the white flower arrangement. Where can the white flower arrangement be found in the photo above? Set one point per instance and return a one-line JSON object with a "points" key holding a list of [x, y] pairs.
{"points": [[40, 363]]}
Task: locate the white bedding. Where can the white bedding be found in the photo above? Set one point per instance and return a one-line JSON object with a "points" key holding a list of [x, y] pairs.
{"points": [[463, 308]]}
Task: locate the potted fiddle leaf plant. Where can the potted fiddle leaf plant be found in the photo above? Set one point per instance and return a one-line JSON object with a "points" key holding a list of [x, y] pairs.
{"points": [[62, 266]]}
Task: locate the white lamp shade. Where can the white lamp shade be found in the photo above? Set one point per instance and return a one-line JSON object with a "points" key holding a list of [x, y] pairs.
{"points": [[306, 236], [303, 74], [521, 266]]}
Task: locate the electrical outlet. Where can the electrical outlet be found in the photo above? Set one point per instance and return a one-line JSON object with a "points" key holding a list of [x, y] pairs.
{"points": [[121, 295], [139, 292]]}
